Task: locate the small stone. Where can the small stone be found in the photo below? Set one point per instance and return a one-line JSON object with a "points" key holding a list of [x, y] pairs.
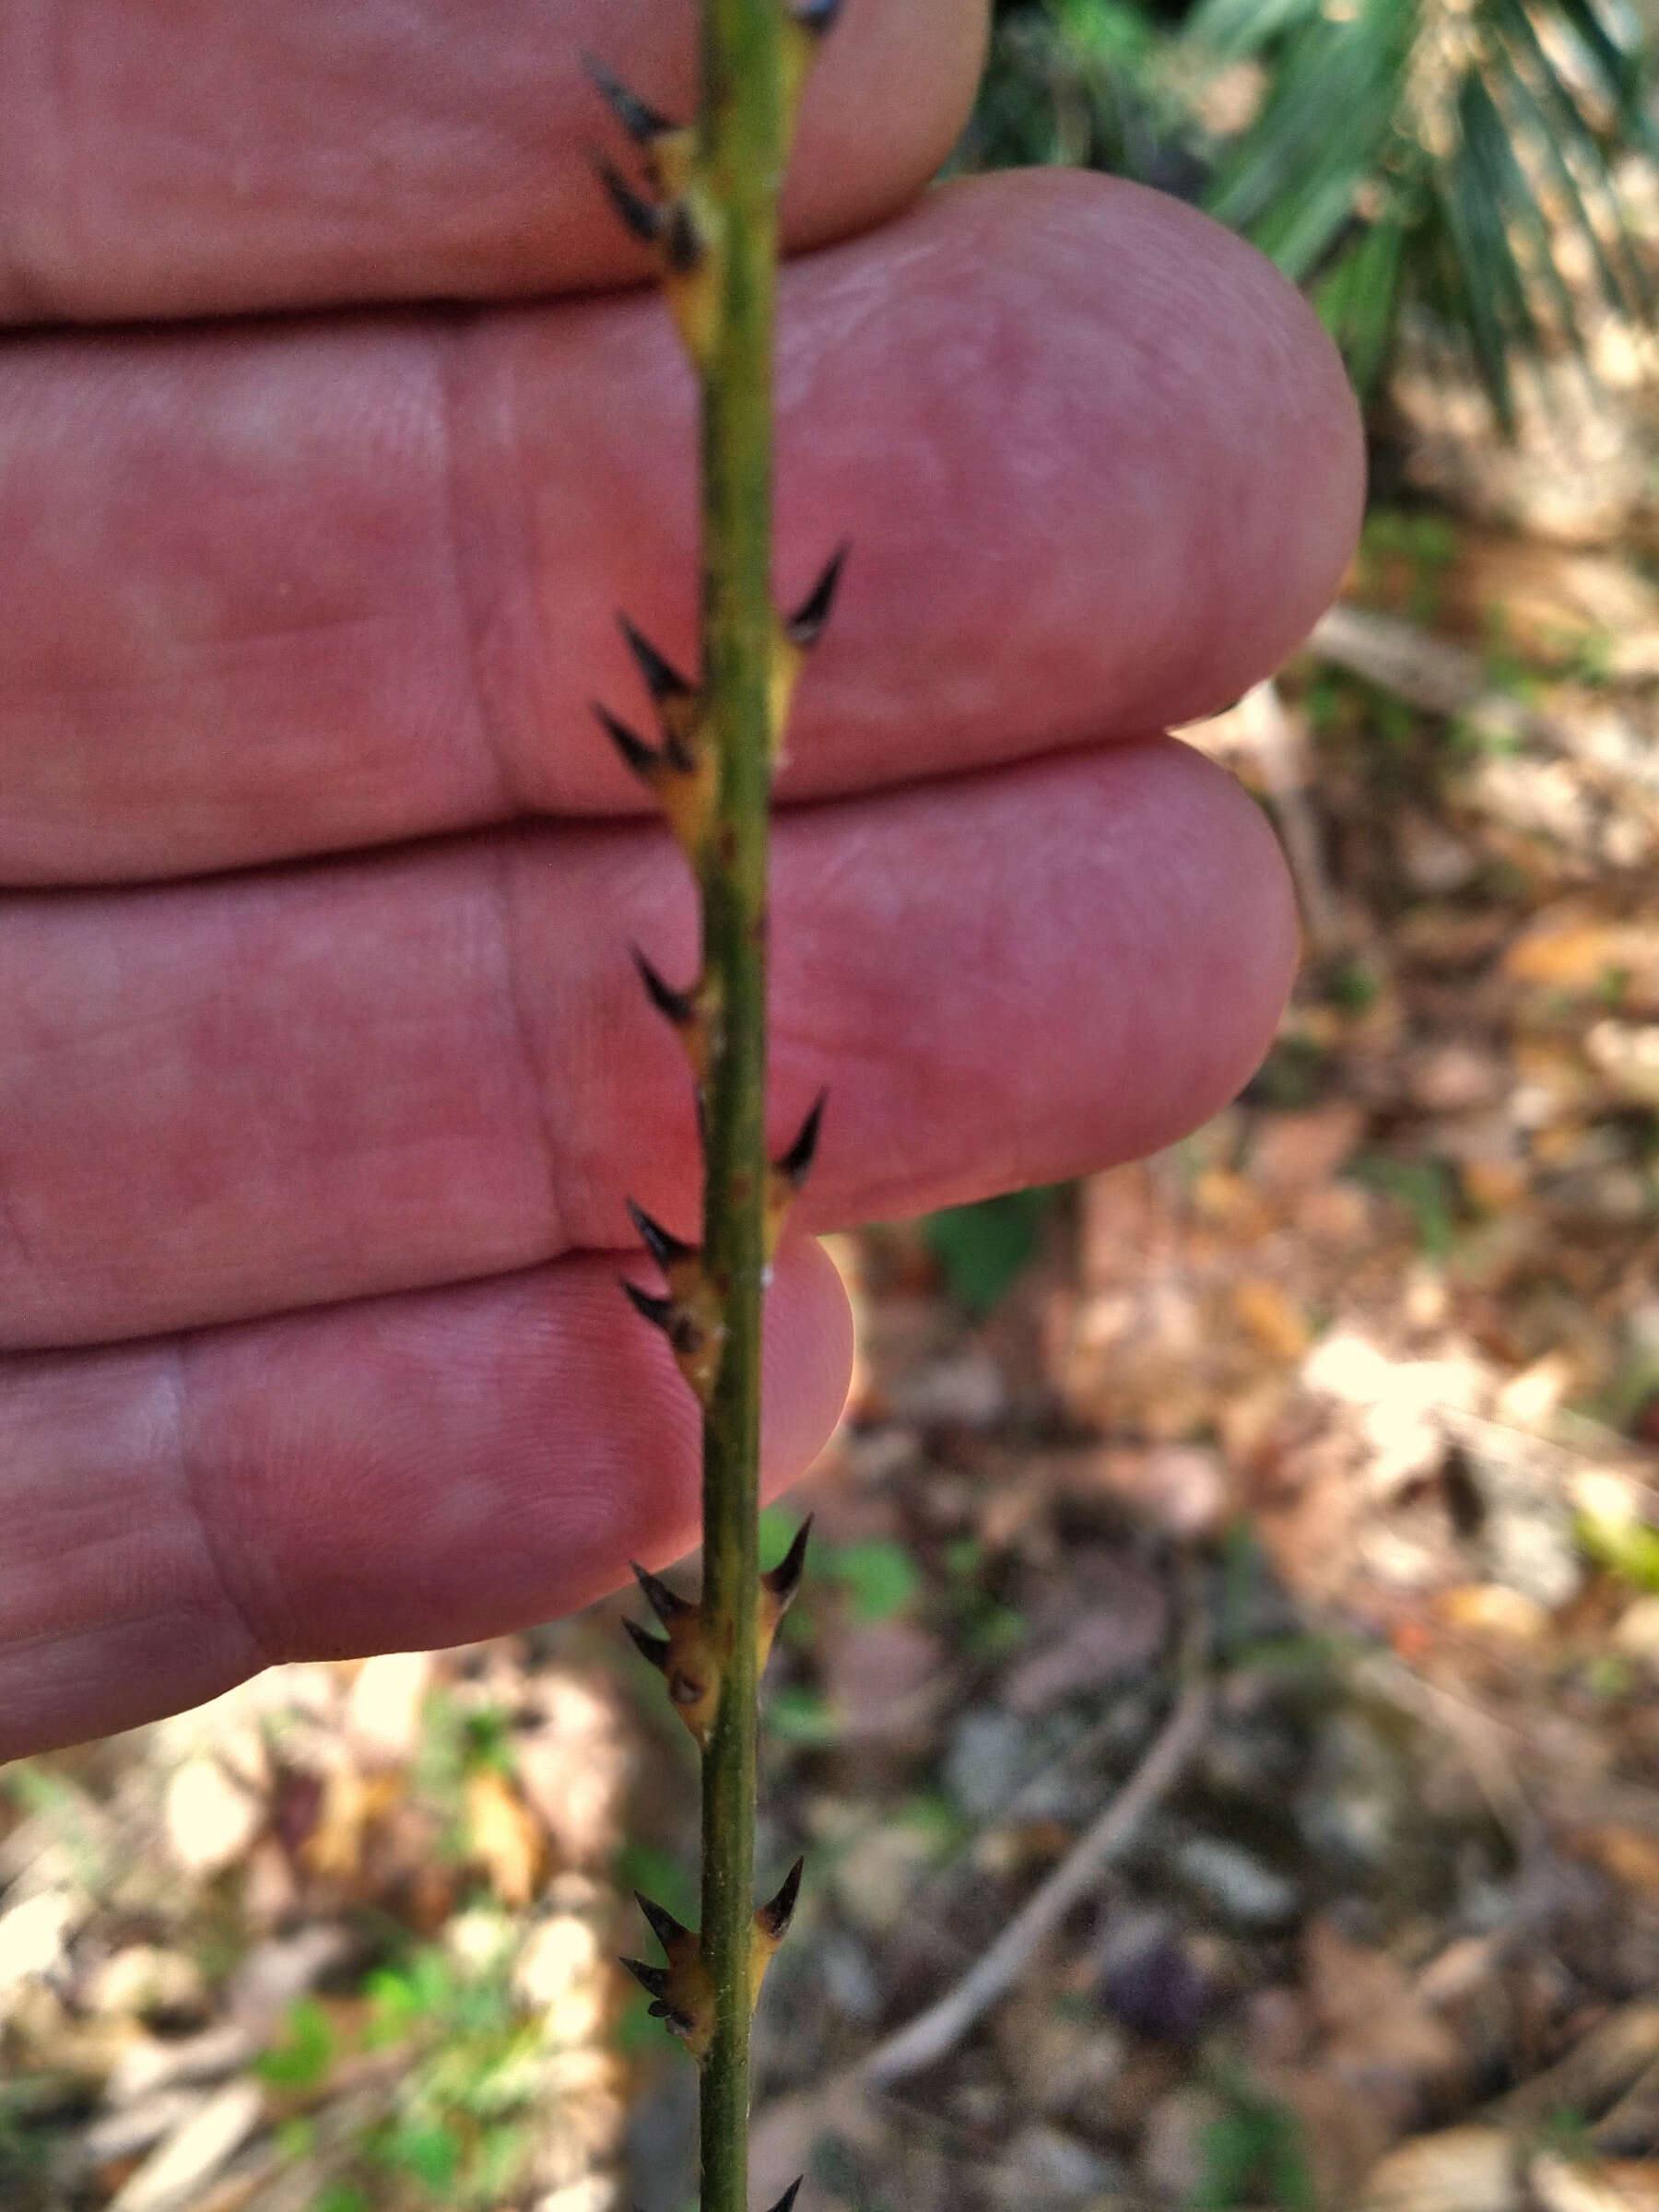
{"points": [[983, 1764], [966, 1390], [1236, 1882], [1150, 1980], [1045, 2166], [1174, 2154], [849, 1981], [875, 1877]]}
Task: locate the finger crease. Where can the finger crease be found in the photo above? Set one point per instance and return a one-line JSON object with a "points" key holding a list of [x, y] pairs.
{"points": [[192, 1485], [533, 1070], [470, 618]]}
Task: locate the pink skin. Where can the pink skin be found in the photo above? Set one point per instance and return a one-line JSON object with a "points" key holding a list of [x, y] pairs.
{"points": [[308, 1149]]}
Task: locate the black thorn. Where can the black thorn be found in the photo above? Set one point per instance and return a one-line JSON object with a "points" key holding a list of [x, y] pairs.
{"points": [[665, 1250], [677, 2023], [677, 1007], [664, 1927], [660, 1312], [662, 680], [785, 1578], [638, 214], [653, 1979], [786, 2202], [667, 1604], [653, 1648], [636, 754], [776, 1916], [682, 247], [805, 626], [639, 119], [797, 1163]]}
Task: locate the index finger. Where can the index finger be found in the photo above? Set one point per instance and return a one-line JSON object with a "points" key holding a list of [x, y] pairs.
{"points": [[165, 158]]}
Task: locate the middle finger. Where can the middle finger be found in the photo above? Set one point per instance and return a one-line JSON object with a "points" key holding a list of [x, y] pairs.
{"points": [[238, 1095], [274, 592]]}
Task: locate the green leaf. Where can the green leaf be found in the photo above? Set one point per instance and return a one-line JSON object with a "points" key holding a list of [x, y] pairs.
{"points": [[1358, 301], [305, 2054], [428, 2149], [879, 1575], [341, 2196], [983, 1248], [798, 1716], [1628, 1549]]}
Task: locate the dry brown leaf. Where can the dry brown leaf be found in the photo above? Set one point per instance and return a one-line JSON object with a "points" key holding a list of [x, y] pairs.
{"points": [[885, 1680], [1600, 2066], [352, 1802], [1272, 1317], [1605, 2185], [1295, 1152], [1627, 1855], [1381, 2037], [504, 1836], [1459, 2170], [1566, 947]]}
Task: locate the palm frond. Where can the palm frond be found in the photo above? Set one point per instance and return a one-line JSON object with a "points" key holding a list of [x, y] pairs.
{"points": [[1430, 156]]}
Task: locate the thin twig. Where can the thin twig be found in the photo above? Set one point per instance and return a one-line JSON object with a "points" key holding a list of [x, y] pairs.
{"points": [[933, 2033], [1280, 748]]}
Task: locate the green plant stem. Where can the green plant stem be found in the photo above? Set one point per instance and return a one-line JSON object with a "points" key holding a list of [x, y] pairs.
{"points": [[740, 157]]}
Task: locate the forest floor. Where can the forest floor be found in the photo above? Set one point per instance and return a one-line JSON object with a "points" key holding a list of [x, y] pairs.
{"points": [[1234, 1596]]}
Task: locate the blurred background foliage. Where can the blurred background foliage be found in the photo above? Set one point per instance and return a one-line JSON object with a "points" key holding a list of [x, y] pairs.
{"points": [[1458, 162]]}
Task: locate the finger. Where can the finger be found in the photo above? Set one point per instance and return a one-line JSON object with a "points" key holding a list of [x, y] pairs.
{"points": [[269, 593], [235, 1096], [390, 1477], [161, 159]]}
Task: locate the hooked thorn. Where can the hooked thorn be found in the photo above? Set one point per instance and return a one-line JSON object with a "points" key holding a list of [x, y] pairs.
{"points": [[683, 245], [805, 626], [659, 1311], [639, 217], [795, 1165], [685, 1997], [781, 1583], [645, 762], [666, 1604], [639, 119], [681, 773], [772, 1919], [653, 1979], [670, 1932], [655, 1649], [786, 2202], [665, 1250], [691, 1319], [788, 1173], [677, 1007], [662, 680]]}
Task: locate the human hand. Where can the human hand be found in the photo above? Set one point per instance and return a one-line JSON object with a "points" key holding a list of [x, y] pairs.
{"points": [[324, 1067]]}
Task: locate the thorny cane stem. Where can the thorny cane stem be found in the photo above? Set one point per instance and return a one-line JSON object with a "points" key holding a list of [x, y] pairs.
{"points": [[712, 220], [741, 135]]}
